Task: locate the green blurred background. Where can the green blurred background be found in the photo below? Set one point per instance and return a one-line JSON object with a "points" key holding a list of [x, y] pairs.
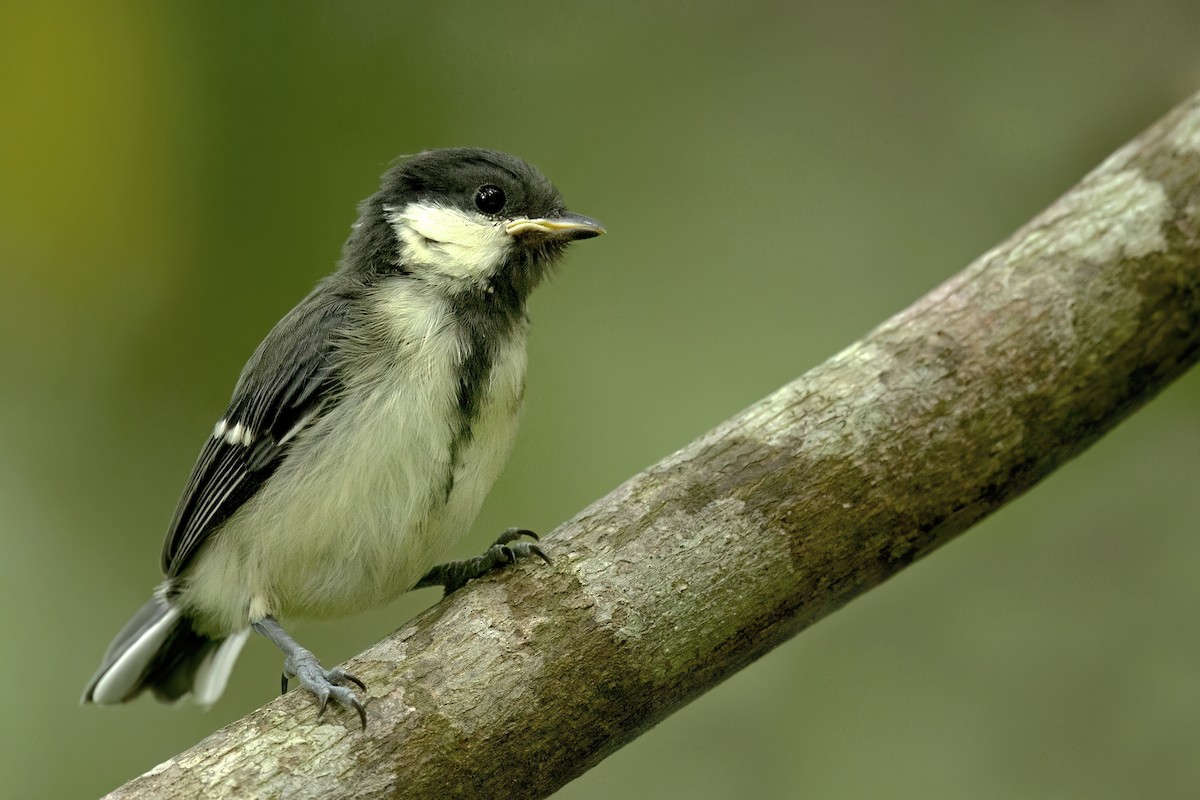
{"points": [[776, 178]]}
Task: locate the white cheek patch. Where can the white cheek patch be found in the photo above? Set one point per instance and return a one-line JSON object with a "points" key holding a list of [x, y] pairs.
{"points": [[459, 245]]}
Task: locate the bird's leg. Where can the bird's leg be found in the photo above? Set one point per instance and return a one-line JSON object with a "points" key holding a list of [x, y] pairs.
{"points": [[303, 665], [507, 550]]}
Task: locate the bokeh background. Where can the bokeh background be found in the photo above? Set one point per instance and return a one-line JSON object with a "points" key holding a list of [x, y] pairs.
{"points": [[777, 178]]}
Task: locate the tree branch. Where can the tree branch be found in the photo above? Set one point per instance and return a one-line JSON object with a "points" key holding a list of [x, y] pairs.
{"points": [[707, 560]]}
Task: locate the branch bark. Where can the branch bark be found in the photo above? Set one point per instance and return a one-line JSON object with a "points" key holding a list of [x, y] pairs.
{"points": [[707, 560]]}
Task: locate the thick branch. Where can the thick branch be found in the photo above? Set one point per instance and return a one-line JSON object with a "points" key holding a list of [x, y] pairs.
{"points": [[701, 564]]}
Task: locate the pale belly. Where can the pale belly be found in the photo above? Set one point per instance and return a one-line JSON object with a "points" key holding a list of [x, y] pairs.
{"points": [[340, 529]]}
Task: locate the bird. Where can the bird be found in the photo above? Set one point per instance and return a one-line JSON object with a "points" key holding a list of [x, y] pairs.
{"points": [[362, 435]]}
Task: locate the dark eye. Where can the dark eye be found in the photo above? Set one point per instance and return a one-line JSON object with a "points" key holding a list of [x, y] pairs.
{"points": [[489, 198]]}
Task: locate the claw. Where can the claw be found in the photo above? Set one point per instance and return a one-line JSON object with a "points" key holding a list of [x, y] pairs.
{"points": [[283, 682], [362, 711], [520, 549], [526, 549], [512, 534], [339, 674]]}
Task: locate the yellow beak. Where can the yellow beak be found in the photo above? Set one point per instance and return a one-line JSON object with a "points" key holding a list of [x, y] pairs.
{"points": [[567, 226]]}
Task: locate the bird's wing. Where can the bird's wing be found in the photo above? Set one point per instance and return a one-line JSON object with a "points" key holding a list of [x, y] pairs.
{"points": [[287, 384]]}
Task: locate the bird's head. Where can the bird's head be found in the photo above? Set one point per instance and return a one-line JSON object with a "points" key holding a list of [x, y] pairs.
{"points": [[466, 221]]}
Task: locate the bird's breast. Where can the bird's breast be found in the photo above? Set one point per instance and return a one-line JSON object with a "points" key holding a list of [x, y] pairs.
{"points": [[374, 493]]}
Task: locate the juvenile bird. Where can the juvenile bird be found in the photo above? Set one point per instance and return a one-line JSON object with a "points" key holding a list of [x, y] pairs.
{"points": [[363, 433]]}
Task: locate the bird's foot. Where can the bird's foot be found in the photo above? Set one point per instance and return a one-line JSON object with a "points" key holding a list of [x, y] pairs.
{"points": [[508, 549], [325, 684], [301, 664]]}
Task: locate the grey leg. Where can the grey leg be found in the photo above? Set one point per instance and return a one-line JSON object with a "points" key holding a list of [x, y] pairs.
{"points": [[303, 665], [456, 574]]}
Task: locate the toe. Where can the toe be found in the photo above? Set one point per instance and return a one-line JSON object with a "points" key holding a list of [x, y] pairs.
{"points": [[348, 699], [324, 684]]}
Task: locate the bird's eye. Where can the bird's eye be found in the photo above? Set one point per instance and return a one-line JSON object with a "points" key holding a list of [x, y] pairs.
{"points": [[489, 198]]}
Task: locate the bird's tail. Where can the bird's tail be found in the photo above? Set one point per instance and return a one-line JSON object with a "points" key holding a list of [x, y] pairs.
{"points": [[160, 650]]}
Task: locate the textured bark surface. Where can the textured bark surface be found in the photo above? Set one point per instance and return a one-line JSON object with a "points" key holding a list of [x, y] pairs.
{"points": [[706, 561]]}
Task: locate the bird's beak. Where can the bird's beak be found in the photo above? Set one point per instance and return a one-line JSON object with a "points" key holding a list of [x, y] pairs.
{"points": [[565, 226]]}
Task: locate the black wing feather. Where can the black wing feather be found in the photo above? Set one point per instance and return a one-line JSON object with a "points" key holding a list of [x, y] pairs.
{"points": [[289, 381]]}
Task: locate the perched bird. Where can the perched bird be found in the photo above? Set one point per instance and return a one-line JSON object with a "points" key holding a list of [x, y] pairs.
{"points": [[363, 433]]}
